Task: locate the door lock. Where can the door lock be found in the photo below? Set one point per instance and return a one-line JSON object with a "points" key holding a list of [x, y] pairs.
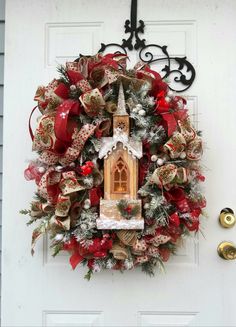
{"points": [[227, 218], [227, 250]]}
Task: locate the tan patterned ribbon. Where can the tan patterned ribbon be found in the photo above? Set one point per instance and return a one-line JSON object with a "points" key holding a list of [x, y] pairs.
{"points": [[45, 95], [93, 102], [169, 173], [69, 184], [72, 153], [44, 137], [146, 249], [185, 140], [62, 206], [175, 145], [38, 209]]}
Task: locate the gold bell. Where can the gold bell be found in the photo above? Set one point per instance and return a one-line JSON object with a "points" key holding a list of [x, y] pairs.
{"points": [[227, 218]]}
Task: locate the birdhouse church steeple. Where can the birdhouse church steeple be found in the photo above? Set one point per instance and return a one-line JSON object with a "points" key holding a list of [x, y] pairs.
{"points": [[121, 117]]}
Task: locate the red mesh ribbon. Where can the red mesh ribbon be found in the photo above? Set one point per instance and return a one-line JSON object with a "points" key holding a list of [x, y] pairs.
{"points": [[169, 112], [178, 197], [97, 249]]}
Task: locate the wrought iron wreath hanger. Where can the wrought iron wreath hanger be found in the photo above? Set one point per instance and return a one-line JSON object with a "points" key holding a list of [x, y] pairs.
{"points": [[184, 71]]}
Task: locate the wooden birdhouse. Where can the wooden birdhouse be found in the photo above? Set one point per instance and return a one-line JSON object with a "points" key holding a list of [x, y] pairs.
{"points": [[121, 154]]}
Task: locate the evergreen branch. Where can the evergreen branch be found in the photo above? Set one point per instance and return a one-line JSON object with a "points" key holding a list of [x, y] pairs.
{"points": [[63, 74], [148, 268], [24, 212], [127, 210], [57, 248], [88, 275]]}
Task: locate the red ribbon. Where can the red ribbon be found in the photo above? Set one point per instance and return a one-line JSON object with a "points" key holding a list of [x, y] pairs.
{"points": [[144, 162], [29, 123], [62, 91], [98, 249], [174, 219], [94, 196], [178, 197], [157, 83], [62, 123], [169, 112], [74, 76], [193, 223], [173, 231], [164, 253]]}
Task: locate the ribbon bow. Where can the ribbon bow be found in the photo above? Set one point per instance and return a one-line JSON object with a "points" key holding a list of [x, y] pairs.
{"points": [[73, 151], [149, 247], [170, 112], [185, 140], [54, 92]]}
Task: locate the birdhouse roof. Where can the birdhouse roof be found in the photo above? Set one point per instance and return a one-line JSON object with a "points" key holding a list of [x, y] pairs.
{"points": [[109, 144], [121, 107]]}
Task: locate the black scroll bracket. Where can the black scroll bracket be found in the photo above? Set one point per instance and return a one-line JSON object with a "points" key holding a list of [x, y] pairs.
{"points": [[184, 71]]}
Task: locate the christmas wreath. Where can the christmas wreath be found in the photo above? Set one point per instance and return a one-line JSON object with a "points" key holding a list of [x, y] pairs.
{"points": [[117, 172]]}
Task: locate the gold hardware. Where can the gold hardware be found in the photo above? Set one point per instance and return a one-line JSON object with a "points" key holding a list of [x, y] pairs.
{"points": [[227, 218], [227, 250]]}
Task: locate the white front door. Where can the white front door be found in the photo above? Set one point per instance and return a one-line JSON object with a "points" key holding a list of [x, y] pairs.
{"points": [[198, 287]]}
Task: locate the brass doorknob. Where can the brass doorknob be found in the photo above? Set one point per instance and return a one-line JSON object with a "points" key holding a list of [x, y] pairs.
{"points": [[227, 218], [227, 250]]}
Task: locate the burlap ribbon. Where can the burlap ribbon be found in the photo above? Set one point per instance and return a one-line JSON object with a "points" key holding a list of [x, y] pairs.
{"points": [[127, 237], [93, 102], [185, 140], [57, 188], [119, 252], [69, 184]]}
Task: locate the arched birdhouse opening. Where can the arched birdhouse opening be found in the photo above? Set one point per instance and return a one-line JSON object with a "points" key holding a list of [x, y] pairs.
{"points": [[120, 177]]}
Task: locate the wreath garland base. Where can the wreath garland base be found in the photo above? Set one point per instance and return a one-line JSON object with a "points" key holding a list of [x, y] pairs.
{"points": [[77, 113]]}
